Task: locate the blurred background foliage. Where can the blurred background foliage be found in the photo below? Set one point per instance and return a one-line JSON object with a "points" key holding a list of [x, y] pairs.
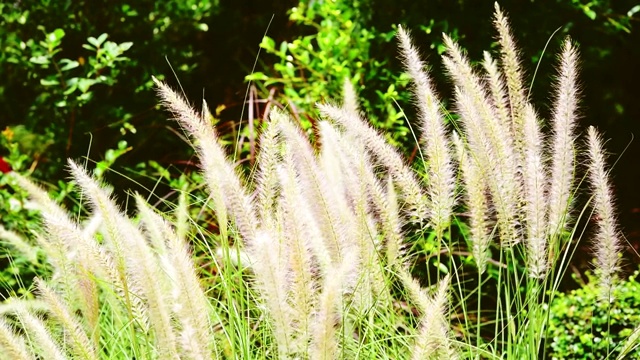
{"points": [[75, 75], [75, 81]]}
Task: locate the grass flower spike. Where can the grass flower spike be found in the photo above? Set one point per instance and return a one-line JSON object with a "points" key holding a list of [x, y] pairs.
{"points": [[434, 137], [607, 242], [562, 144]]}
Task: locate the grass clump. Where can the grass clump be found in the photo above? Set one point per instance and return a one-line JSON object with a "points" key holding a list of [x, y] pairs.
{"points": [[310, 259]]}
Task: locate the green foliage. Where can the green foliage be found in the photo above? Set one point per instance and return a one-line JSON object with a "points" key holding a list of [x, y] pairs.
{"points": [[110, 158], [353, 40], [613, 18], [25, 147], [583, 326], [19, 216], [68, 65], [17, 213], [313, 67], [62, 85], [64, 68]]}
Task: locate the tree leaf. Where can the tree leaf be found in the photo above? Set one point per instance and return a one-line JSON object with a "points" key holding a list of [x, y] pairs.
{"points": [[40, 60], [55, 36], [256, 76], [125, 46], [69, 64], [97, 42], [268, 44], [49, 82]]}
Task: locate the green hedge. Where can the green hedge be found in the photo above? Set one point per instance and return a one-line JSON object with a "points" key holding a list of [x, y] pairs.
{"points": [[580, 321]]}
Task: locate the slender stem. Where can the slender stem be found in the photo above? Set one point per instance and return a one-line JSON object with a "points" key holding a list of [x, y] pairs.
{"points": [[608, 321], [499, 326], [478, 334]]}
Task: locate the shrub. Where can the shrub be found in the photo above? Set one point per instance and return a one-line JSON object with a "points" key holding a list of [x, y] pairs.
{"points": [[354, 39], [607, 327], [70, 72], [20, 215], [310, 258], [20, 260], [60, 85], [339, 46]]}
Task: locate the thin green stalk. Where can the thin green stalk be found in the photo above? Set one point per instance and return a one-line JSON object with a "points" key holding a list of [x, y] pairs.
{"points": [[478, 313], [534, 318], [499, 320], [608, 336], [519, 318]]}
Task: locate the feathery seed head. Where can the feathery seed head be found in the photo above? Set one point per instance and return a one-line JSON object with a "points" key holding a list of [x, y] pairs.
{"points": [[226, 188], [477, 204], [607, 242], [384, 153], [80, 344], [441, 187], [11, 344], [350, 98], [535, 201], [565, 113], [268, 159], [513, 72]]}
